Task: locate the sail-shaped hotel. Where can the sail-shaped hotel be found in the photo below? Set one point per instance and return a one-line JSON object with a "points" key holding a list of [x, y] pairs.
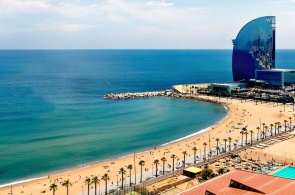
{"points": [[253, 58]]}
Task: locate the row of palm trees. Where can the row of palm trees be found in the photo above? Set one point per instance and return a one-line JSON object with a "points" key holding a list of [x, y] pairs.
{"points": [[95, 180], [88, 181], [263, 132]]}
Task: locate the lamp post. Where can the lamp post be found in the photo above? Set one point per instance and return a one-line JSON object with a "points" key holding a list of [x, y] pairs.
{"points": [[82, 190]]}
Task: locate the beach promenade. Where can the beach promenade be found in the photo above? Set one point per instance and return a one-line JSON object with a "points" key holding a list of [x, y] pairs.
{"points": [[242, 115]]}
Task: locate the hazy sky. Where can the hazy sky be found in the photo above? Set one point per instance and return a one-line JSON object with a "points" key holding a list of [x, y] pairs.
{"points": [[138, 24]]}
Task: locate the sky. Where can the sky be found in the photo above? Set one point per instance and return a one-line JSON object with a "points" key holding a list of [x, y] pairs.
{"points": [[137, 24]]}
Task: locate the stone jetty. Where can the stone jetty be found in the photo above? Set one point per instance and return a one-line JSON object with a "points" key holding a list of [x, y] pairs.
{"points": [[138, 94]]}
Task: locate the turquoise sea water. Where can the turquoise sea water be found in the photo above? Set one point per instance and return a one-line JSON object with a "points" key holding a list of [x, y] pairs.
{"points": [[288, 172], [53, 115]]}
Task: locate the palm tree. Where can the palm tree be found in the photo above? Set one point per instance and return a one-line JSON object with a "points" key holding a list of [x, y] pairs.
{"points": [[217, 148], [290, 118], [266, 128], [141, 163], [195, 149], [184, 153], [279, 126], [285, 121], [173, 156], [225, 140], [242, 132], [106, 177], [67, 183], [130, 168], [95, 180], [88, 182], [257, 133], [204, 144], [271, 126], [156, 162], [122, 172], [246, 140], [53, 187], [251, 132], [229, 142], [163, 160]]}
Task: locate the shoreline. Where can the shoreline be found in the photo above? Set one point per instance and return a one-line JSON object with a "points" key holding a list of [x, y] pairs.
{"points": [[239, 115], [96, 162]]}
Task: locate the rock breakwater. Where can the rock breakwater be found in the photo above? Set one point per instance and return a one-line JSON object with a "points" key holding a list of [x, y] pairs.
{"points": [[138, 94]]}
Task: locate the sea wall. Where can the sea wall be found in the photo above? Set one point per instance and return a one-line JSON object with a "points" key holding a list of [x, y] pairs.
{"points": [[195, 97]]}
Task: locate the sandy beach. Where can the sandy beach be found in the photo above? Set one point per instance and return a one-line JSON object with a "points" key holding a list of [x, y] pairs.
{"points": [[241, 114]]}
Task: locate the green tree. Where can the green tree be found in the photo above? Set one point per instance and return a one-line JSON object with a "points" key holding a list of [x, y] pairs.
{"points": [[88, 182], [130, 168], [66, 184], [106, 177], [163, 160], [95, 181], [122, 172], [156, 162], [141, 163], [220, 170], [53, 187], [206, 173]]}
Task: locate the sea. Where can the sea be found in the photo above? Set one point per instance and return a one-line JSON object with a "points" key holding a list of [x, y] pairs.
{"points": [[53, 114]]}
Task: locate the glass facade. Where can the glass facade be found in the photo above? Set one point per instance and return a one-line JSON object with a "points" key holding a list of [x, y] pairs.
{"points": [[272, 77], [254, 48]]}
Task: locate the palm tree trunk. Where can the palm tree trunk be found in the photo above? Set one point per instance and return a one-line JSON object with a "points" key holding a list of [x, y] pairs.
{"points": [[141, 175], [130, 177], [194, 156], [156, 170], [217, 148], [122, 180], [106, 187], [95, 188], [67, 190], [163, 167], [173, 164], [88, 188]]}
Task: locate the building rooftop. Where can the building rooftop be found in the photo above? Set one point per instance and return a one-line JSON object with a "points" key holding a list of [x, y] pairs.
{"points": [[246, 183], [278, 70]]}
